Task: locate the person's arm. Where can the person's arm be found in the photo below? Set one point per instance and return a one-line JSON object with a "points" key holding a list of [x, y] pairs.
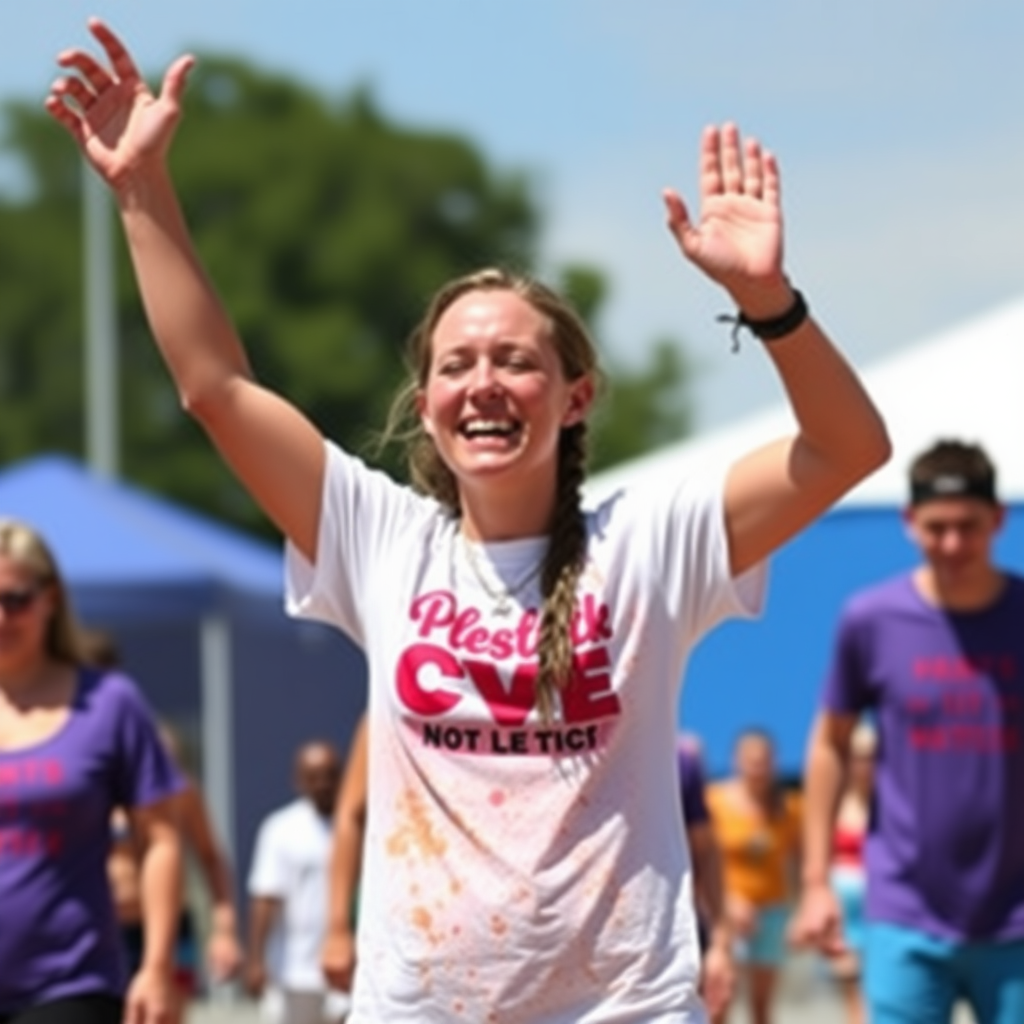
{"points": [[776, 490], [223, 949], [718, 972], [338, 956], [268, 885], [150, 996], [125, 132], [708, 886], [263, 914], [818, 919]]}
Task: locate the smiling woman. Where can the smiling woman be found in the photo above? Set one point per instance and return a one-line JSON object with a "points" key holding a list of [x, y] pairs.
{"points": [[525, 653], [75, 743]]}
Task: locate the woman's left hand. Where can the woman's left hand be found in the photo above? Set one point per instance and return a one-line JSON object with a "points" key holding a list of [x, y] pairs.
{"points": [[737, 240], [150, 998]]}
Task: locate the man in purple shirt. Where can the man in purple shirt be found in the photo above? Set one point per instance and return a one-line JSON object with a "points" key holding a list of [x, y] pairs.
{"points": [[937, 657]]}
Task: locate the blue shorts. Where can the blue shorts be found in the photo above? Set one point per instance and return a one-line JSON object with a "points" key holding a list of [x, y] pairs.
{"points": [[766, 947], [914, 978]]}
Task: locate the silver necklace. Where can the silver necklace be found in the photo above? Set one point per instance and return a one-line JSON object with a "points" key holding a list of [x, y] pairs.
{"points": [[501, 597]]}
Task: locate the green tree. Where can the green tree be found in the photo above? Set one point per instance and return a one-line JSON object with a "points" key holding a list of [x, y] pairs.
{"points": [[325, 225]]}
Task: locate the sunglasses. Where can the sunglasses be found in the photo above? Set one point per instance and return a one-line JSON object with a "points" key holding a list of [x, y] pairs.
{"points": [[17, 602]]}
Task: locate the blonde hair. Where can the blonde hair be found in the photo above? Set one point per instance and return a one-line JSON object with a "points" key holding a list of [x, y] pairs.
{"points": [[24, 546], [564, 559]]}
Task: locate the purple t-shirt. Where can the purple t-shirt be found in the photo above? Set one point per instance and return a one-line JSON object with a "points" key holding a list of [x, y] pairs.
{"points": [[58, 932], [691, 782], [945, 848]]}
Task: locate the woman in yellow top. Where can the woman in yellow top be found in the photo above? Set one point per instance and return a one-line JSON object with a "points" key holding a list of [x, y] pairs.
{"points": [[757, 825]]}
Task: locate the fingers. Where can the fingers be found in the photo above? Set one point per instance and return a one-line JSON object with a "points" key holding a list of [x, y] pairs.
{"points": [[679, 222], [83, 91], [73, 95], [730, 165], [753, 168], [93, 79], [175, 80], [75, 89], [772, 182], [88, 67], [134, 1011], [61, 112], [121, 61], [710, 162], [675, 208], [729, 159], [824, 935]]}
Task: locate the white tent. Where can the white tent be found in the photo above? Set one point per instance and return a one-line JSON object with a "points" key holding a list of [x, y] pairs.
{"points": [[965, 383]]}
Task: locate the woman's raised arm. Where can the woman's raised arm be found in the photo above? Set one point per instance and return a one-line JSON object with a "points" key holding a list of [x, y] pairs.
{"points": [[125, 132], [775, 491]]}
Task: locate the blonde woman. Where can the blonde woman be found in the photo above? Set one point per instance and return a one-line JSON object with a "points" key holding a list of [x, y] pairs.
{"points": [[75, 743]]}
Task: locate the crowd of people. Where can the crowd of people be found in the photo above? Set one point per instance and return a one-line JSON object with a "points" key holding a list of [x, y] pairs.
{"points": [[517, 833]]}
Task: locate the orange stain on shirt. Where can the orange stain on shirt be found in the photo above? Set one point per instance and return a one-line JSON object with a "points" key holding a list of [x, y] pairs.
{"points": [[415, 835]]}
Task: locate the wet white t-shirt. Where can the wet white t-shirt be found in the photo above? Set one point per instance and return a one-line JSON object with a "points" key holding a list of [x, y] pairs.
{"points": [[517, 872]]}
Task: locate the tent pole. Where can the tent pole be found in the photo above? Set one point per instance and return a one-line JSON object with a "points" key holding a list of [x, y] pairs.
{"points": [[217, 731]]}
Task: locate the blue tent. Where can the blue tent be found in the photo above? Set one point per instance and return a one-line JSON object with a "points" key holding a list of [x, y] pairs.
{"points": [[196, 610], [768, 673], [114, 541]]}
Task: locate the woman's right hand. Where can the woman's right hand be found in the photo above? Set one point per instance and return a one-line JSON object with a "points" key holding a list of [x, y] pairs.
{"points": [[110, 111]]}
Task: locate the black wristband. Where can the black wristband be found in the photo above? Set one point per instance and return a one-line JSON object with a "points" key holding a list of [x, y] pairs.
{"points": [[768, 330]]}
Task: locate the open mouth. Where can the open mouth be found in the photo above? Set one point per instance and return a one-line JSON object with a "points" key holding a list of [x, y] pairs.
{"points": [[479, 429]]}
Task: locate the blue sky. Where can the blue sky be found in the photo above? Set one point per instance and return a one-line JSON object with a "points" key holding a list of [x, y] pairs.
{"points": [[899, 126]]}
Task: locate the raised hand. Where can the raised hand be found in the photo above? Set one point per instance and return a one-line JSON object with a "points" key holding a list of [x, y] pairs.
{"points": [[111, 112], [738, 238]]}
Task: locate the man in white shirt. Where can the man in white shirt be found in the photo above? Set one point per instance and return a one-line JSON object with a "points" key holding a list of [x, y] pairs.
{"points": [[288, 889]]}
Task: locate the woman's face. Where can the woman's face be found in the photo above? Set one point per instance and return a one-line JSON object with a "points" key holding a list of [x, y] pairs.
{"points": [[496, 397], [26, 606], [755, 764]]}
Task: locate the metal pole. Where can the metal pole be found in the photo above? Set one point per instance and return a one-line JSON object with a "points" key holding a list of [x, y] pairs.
{"points": [[102, 419], [217, 732]]}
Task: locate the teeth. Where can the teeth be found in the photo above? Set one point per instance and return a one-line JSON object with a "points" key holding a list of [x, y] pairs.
{"points": [[489, 427]]}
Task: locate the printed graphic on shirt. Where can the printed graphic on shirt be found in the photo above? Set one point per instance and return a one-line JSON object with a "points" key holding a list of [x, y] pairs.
{"points": [[472, 682], [966, 703], [32, 808]]}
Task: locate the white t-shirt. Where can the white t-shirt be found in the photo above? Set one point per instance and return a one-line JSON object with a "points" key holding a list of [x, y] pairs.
{"points": [[290, 863], [515, 872]]}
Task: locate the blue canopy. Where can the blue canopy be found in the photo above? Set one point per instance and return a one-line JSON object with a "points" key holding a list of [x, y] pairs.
{"points": [[129, 555], [768, 674]]}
